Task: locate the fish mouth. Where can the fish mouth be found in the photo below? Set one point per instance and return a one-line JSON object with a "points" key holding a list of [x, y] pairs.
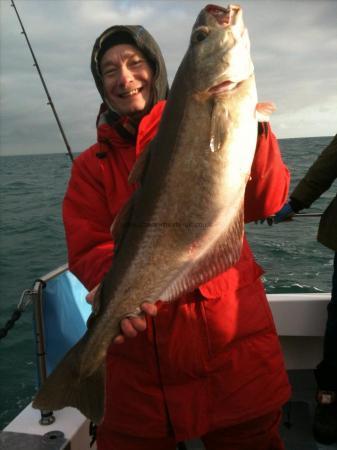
{"points": [[224, 16], [223, 87]]}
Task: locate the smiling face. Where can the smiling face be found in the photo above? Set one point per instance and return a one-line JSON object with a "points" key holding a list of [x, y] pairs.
{"points": [[127, 79]]}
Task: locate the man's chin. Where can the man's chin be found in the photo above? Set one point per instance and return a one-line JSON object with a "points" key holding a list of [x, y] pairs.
{"points": [[137, 113], [134, 111]]}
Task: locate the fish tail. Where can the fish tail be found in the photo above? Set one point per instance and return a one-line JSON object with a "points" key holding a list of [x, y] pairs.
{"points": [[66, 387]]}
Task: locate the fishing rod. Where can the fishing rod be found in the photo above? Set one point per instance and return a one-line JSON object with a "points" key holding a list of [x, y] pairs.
{"points": [[271, 219], [50, 101], [307, 215]]}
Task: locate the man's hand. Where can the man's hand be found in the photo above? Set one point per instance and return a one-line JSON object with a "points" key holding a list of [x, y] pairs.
{"points": [[131, 326], [285, 213], [269, 220], [91, 295]]}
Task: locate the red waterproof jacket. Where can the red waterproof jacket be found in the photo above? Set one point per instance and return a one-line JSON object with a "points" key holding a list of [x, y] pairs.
{"points": [[209, 359]]}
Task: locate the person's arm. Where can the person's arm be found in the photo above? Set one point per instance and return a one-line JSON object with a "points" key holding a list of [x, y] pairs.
{"points": [[267, 188], [317, 180], [87, 222]]}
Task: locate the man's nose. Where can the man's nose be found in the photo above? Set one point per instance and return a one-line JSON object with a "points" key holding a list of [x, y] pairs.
{"points": [[125, 76]]}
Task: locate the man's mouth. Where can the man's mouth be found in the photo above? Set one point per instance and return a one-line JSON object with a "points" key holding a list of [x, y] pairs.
{"points": [[131, 92]]}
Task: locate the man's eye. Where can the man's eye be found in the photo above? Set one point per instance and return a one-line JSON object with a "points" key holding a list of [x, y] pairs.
{"points": [[136, 62], [109, 72]]}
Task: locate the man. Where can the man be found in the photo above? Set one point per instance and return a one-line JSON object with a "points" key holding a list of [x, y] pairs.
{"points": [[208, 364], [316, 181]]}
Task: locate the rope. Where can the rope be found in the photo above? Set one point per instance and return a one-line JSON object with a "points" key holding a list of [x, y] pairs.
{"points": [[25, 300]]}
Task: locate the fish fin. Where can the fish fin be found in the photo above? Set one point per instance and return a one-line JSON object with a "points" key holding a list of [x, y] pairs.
{"points": [[218, 126], [139, 168], [64, 387], [223, 255], [264, 111]]}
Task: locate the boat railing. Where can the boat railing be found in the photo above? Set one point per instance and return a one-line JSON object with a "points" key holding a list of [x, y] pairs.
{"points": [[37, 292], [58, 302]]}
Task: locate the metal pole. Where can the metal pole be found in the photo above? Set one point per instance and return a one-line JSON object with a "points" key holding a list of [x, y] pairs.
{"points": [[47, 417], [308, 214], [300, 215], [50, 102]]}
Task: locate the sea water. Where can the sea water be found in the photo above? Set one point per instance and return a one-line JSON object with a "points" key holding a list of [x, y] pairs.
{"points": [[32, 244]]}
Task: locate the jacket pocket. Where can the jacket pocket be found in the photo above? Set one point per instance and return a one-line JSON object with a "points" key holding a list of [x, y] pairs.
{"points": [[236, 315]]}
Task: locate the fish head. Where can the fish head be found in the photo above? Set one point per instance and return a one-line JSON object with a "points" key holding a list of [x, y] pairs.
{"points": [[219, 51]]}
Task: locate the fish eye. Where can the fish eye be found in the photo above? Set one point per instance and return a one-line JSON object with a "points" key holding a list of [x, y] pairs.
{"points": [[200, 34]]}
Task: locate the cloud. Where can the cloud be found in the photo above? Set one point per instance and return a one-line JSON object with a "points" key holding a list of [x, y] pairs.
{"points": [[294, 47], [100, 12]]}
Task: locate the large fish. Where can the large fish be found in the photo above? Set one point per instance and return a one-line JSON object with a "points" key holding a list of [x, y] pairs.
{"points": [[185, 223]]}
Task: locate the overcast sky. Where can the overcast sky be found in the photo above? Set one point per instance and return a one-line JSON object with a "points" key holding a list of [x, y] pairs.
{"points": [[294, 50]]}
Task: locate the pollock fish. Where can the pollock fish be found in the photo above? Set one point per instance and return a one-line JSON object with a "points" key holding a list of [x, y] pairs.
{"points": [[184, 225]]}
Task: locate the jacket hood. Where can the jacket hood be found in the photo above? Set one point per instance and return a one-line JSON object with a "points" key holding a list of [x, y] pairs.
{"points": [[143, 40]]}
